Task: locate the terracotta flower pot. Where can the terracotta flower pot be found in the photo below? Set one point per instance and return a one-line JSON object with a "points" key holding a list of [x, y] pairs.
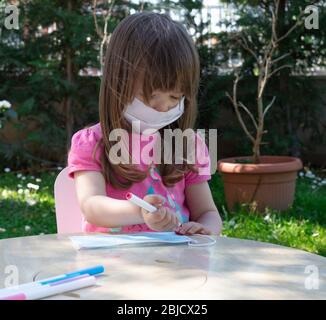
{"points": [[270, 183]]}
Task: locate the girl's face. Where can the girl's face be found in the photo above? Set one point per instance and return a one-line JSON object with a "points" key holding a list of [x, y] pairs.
{"points": [[160, 101]]}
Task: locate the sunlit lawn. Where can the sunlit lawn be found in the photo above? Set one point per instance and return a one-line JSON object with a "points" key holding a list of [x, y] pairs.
{"points": [[303, 226], [27, 208]]}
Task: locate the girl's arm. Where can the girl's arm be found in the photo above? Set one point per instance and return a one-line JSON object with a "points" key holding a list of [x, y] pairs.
{"points": [[202, 207], [98, 208]]}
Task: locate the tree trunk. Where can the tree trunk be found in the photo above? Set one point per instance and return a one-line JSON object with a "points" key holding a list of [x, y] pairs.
{"points": [[259, 132], [284, 87], [67, 100]]}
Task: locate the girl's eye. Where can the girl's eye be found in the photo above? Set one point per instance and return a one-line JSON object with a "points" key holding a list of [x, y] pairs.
{"points": [[175, 98]]}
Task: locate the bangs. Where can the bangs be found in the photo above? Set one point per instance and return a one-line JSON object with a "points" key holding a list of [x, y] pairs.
{"points": [[170, 65]]}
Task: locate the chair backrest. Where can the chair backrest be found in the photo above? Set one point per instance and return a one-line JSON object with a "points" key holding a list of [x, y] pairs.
{"points": [[67, 210]]}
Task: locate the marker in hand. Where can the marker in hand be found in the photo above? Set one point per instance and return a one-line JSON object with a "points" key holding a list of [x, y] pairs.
{"points": [[142, 203]]}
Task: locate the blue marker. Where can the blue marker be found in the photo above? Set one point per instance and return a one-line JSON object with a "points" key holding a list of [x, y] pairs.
{"points": [[89, 271]]}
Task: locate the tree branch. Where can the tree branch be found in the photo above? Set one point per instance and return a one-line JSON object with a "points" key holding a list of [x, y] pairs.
{"points": [[294, 26], [243, 42], [105, 34], [98, 30], [278, 69], [236, 108], [280, 58], [274, 20], [268, 107], [249, 113]]}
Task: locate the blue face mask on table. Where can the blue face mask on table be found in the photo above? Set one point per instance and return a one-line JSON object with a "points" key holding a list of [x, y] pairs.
{"points": [[108, 241]]}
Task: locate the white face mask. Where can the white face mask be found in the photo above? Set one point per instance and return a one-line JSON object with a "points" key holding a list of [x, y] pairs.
{"points": [[149, 118]]}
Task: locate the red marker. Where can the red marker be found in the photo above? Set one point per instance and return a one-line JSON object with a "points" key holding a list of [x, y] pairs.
{"points": [[140, 202]]}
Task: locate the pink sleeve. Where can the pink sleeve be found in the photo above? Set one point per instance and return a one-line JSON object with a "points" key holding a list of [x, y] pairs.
{"points": [[203, 163], [80, 156]]}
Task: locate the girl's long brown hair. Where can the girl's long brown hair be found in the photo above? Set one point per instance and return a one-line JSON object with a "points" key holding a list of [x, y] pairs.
{"points": [[160, 49]]}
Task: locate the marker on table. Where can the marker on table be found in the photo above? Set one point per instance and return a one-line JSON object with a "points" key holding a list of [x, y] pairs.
{"points": [[39, 292], [88, 272], [17, 296], [142, 203]]}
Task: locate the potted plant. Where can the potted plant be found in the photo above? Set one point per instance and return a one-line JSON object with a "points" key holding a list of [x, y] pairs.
{"points": [[262, 181]]}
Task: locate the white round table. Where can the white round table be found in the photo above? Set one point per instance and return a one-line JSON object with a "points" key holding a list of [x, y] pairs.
{"points": [[231, 269]]}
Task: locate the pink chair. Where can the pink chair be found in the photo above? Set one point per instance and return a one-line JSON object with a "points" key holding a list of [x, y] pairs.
{"points": [[68, 213]]}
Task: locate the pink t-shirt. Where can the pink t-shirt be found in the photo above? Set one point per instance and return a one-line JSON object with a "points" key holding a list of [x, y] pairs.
{"points": [[80, 158]]}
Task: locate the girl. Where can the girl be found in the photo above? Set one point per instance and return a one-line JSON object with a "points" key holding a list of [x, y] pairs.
{"points": [[151, 76]]}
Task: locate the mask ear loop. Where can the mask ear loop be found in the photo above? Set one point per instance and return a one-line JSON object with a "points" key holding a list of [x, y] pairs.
{"points": [[194, 243]]}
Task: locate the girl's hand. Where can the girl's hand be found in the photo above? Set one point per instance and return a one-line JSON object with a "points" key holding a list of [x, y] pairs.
{"points": [[192, 227], [163, 219]]}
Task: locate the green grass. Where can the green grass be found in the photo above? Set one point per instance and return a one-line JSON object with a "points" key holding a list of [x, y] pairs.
{"points": [[16, 213], [303, 226]]}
